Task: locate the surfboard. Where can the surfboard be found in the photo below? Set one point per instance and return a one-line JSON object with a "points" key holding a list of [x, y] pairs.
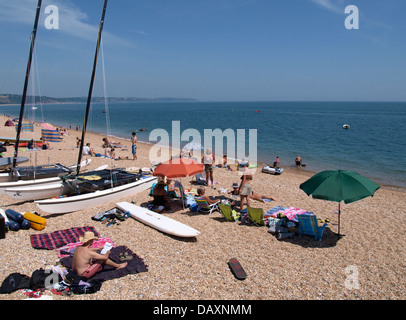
{"points": [[158, 221]]}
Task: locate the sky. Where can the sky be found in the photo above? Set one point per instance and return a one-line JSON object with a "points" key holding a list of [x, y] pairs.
{"points": [[211, 50]]}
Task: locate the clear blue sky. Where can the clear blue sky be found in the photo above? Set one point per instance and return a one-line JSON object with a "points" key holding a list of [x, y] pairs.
{"points": [[218, 50]]}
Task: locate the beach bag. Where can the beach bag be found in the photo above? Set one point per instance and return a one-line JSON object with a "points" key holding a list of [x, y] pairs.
{"points": [[272, 224], [190, 201], [36, 222], [14, 282], [43, 278], [277, 225]]}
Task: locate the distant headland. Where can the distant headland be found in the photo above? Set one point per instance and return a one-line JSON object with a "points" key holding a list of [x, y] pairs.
{"points": [[16, 99]]}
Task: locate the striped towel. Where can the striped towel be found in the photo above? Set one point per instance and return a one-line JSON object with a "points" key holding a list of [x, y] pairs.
{"points": [[57, 239]]}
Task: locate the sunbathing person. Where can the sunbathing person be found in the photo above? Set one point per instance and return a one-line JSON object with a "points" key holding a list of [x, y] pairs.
{"points": [[253, 196], [201, 192], [87, 262]]}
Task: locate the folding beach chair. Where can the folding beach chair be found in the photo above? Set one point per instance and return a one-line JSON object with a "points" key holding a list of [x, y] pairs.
{"points": [[182, 196], [227, 212], [256, 216], [200, 179], [308, 225], [203, 205]]}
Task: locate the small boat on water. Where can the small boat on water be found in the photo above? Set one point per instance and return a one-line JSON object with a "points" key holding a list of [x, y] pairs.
{"points": [[272, 170], [346, 126]]}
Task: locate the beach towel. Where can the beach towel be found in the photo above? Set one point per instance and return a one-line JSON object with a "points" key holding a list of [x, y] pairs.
{"points": [[69, 249], [289, 212], [135, 265], [60, 238], [273, 212]]}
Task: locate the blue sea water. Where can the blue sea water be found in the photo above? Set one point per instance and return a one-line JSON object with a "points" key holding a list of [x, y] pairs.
{"points": [[373, 146]]}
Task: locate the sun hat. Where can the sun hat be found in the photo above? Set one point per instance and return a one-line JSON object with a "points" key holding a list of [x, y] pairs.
{"points": [[235, 185], [87, 237]]}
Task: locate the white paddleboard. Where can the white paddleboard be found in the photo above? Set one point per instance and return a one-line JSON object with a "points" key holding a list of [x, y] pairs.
{"points": [[158, 221]]}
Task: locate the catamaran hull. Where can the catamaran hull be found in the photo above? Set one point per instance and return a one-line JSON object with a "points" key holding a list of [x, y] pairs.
{"points": [[93, 199], [26, 183], [7, 179], [38, 192]]}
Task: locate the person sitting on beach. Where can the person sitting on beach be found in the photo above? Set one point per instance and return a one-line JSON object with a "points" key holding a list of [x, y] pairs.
{"points": [[106, 143], [201, 193], [223, 163], [112, 154], [298, 161], [87, 151], [159, 193], [253, 196], [87, 261], [172, 189], [45, 144]]}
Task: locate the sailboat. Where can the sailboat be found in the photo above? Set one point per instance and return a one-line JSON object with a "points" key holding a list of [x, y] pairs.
{"points": [[94, 188], [12, 175]]}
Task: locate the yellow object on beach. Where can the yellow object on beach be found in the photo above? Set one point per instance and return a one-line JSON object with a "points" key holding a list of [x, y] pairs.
{"points": [[92, 177]]}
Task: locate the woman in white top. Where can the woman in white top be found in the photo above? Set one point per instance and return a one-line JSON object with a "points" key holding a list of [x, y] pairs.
{"points": [[208, 160]]}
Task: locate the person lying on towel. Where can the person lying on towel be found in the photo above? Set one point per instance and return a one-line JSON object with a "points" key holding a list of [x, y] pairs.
{"points": [[87, 262]]}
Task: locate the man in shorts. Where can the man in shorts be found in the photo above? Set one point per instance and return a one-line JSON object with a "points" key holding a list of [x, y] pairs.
{"points": [[133, 145], [87, 262]]}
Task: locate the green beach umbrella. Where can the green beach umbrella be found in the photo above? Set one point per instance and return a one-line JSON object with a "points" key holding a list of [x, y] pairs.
{"points": [[339, 185]]}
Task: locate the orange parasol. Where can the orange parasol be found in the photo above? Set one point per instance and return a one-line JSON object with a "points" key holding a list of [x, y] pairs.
{"points": [[178, 167]]}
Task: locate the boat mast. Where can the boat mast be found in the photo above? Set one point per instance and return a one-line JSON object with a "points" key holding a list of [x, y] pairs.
{"points": [[27, 76], [89, 97]]}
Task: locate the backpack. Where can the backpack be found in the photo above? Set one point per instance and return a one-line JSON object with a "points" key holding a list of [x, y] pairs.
{"points": [[42, 279]]}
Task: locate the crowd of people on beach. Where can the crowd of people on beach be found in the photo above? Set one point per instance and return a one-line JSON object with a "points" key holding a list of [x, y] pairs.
{"points": [[109, 148]]}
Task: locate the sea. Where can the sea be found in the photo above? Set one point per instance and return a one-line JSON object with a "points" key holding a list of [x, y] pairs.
{"points": [[374, 145]]}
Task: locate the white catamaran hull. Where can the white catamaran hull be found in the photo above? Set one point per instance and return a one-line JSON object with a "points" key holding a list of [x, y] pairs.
{"points": [[8, 180], [96, 198], [27, 183], [37, 192]]}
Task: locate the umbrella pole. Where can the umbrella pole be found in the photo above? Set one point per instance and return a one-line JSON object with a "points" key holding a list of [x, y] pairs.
{"points": [[339, 220]]}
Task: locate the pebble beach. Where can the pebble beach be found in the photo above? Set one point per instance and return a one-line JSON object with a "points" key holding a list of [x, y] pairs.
{"points": [[367, 263]]}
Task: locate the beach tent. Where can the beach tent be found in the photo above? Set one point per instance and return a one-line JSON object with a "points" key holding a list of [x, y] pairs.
{"points": [[50, 135], [339, 185], [26, 127], [9, 123]]}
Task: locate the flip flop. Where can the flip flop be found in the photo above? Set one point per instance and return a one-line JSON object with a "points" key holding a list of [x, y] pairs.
{"points": [[237, 269]]}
